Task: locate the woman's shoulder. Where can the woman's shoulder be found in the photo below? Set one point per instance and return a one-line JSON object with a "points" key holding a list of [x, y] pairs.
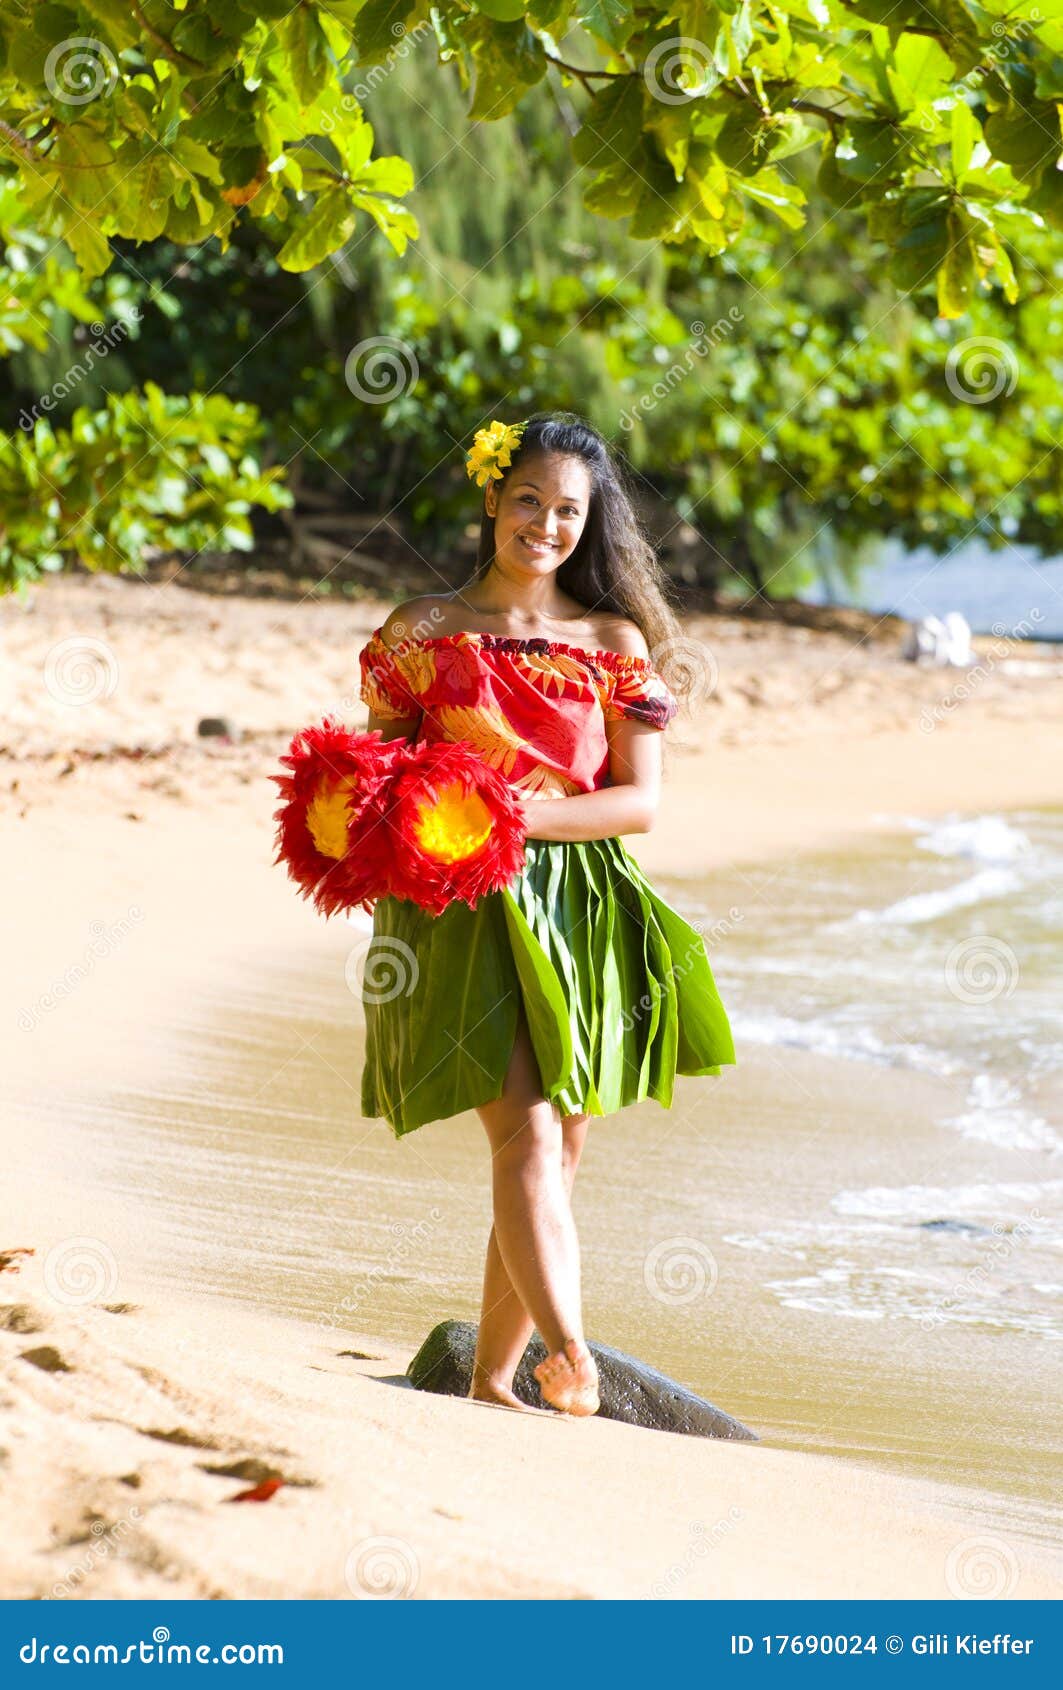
{"points": [[621, 636], [416, 619]]}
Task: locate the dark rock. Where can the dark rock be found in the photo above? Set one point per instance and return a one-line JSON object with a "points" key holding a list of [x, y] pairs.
{"points": [[217, 727], [629, 1389]]}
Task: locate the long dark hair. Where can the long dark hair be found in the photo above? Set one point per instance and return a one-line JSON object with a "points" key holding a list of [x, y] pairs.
{"points": [[614, 567]]}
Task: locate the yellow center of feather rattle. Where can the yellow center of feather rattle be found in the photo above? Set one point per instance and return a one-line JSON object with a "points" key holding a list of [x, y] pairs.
{"points": [[455, 826], [327, 815]]}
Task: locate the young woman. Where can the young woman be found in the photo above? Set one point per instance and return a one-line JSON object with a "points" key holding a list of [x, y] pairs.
{"points": [[577, 990]]}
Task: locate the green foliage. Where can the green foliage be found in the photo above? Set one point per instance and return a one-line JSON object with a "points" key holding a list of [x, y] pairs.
{"points": [[937, 120], [813, 410], [147, 470], [776, 178], [35, 283], [158, 119]]}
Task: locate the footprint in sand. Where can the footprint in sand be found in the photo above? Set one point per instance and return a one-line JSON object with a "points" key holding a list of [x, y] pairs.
{"points": [[253, 1472], [47, 1358], [178, 1435], [16, 1317]]}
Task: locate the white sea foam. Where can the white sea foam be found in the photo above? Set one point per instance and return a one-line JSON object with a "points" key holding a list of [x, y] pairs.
{"points": [[986, 839], [880, 1262], [995, 1115], [931, 906], [854, 1043], [988, 1199], [929, 1301]]}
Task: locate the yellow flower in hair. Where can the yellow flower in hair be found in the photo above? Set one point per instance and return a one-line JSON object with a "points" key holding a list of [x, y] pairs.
{"points": [[492, 450]]}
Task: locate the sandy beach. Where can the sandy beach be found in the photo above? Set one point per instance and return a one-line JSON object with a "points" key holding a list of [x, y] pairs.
{"points": [[139, 856]]}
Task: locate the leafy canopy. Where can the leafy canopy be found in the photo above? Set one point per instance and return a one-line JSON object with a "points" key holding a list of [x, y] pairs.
{"points": [[939, 119]]}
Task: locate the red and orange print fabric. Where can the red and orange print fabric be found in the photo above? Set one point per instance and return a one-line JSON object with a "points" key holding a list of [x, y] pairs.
{"points": [[535, 709]]}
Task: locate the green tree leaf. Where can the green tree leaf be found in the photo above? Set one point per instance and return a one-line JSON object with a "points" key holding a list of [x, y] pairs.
{"points": [[320, 233]]}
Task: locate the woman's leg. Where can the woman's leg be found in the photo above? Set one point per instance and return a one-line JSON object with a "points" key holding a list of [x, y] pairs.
{"points": [[532, 1270], [505, 1325]]}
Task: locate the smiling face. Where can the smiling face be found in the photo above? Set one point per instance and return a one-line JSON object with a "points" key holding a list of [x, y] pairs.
{"points": [[540, 510]]}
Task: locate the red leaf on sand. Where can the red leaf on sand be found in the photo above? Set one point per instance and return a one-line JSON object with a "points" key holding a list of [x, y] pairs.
{"points": [[258, 1493], [8, 1258]]}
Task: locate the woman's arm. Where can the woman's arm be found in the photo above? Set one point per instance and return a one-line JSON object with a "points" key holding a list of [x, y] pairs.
{"points": [[629, 805]]}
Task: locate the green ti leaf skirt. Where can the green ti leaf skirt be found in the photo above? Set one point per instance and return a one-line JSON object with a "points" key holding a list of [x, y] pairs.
{"points": [[615, 985]]}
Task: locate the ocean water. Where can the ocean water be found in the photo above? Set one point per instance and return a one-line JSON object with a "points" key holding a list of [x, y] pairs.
{"points": [[937, 951], [988, 588]]}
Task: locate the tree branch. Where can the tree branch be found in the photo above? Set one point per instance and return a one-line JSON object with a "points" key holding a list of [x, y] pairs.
{"points": [[16, 139], [582, 75]]}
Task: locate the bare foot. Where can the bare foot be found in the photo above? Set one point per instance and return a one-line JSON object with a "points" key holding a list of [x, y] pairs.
{"points": [[492, 1391], [569, 1379]]}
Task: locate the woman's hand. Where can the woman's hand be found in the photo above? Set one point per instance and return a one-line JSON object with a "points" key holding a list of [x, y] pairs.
{"points": [[531, 812]]}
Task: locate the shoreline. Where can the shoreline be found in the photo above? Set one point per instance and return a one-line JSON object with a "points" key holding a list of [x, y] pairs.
{"points": [[146, 891]]}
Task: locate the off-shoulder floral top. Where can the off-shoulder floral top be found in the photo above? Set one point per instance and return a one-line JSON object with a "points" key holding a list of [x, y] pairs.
{"points": [[535, 709]]}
